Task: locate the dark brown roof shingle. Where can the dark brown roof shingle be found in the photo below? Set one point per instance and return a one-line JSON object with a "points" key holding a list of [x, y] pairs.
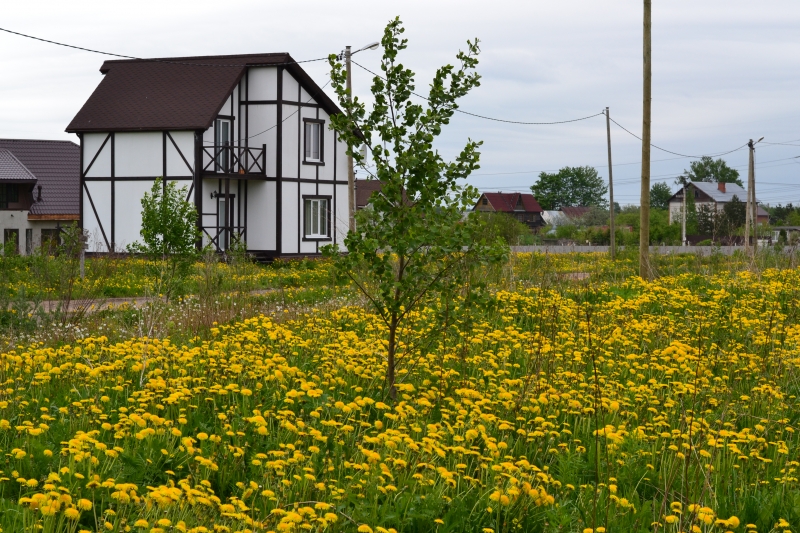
{"points": [[506, 202], [56, 166], [11, 170], [175, 93]]}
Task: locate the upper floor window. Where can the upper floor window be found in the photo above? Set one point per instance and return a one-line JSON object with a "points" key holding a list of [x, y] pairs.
{"points": [[9, 194], [222, 141], [313, 141]]}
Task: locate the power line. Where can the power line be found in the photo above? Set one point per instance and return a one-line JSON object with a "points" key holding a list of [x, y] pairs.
{"points": [[275, 125], [491, 118], [676, 153], [146, 59]]}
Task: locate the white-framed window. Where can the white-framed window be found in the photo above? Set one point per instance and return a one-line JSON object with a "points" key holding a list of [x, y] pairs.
{"points": [[313, 141], [316, 218], [222, 142]]}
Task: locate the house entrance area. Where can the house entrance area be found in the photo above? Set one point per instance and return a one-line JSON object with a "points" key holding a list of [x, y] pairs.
{"points": [[223, 217]]}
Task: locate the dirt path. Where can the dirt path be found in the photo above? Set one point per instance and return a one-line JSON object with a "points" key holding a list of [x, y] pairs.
{"points": [[102, 304]]}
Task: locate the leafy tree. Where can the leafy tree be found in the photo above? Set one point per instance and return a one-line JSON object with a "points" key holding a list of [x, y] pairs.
{"points": [[412, 249], [503, 226], [660, 193], [712, 170], [570, 186], [169, 235], [735, 213], [595, 216]]}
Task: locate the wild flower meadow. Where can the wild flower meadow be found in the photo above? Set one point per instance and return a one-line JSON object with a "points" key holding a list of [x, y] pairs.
{"points": [[590, 405]]}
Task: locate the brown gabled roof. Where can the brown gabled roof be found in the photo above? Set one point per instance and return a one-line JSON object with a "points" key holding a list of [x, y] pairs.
{"points": [[575, 211], [506, 202], [175, 93], [56, 167], [364, 191]]}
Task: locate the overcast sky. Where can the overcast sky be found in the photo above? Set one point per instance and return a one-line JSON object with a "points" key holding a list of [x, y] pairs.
{"points": [[723, 72]]}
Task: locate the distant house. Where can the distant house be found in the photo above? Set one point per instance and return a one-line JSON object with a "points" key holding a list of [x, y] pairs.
{"points": [[364, 191], [39, 191], [791, 233], [714, 194], [556, 218], [522, 206]]}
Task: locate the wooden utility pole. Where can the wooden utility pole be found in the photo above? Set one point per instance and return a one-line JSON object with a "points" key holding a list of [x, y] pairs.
{"points": [[351, 175], [644, 221], [683, 215], [752, 204], [611, 229]]}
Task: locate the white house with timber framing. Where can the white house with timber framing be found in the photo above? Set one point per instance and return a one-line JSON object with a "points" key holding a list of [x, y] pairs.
{"points": [[247, 135]]}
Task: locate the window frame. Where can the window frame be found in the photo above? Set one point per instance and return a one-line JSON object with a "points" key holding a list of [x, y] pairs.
{"points": [[317, 236], [321, 160], [7, 197], [222, 161]]}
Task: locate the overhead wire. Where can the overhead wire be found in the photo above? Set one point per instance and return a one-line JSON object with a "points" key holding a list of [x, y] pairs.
{"points": [[491, 118], [275, 125], [676, 153], [122, 56]]}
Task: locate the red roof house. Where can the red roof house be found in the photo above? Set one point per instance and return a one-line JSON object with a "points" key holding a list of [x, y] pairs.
{"points": [[522, 206]]}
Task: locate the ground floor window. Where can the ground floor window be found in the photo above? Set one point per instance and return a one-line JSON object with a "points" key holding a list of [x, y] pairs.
{"points": [[11, 240], [51, 238], [317, 217]]}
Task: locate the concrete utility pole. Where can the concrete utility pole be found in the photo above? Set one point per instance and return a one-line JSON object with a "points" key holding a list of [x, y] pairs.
{"points": [[351, 174], [612, 232], [752, 204], [644, 210], [752, 177]]}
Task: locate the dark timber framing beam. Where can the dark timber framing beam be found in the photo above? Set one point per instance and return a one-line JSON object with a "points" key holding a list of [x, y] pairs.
{"points": [[279, 166], [197, 183]]}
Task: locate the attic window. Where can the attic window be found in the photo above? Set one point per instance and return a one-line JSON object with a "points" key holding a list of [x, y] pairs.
{"points": [[485, 201], [519, 206], [9, 194]]}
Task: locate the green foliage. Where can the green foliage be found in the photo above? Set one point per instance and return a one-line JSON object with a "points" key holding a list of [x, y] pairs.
{"points": [[169, 222], [784, 215], [660, 193], [721, 223], [661, 231], [712, 170], [412, 246], [169, 236], [692, 227], [502, 226], [735, 212], [570, 186]]}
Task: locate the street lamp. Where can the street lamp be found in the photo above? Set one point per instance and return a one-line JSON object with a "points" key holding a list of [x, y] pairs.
{"points": [[351, 175]]}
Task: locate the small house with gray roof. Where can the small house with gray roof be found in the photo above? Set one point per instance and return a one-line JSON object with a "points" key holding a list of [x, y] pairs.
{"points": [[39, 183], [709, 193]]}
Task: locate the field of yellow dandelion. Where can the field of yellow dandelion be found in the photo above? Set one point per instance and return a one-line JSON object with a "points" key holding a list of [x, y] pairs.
{"points": [[619, 406]]}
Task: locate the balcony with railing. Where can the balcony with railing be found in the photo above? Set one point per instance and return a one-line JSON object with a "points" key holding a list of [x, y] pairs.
{"points": [[232, 160]]}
